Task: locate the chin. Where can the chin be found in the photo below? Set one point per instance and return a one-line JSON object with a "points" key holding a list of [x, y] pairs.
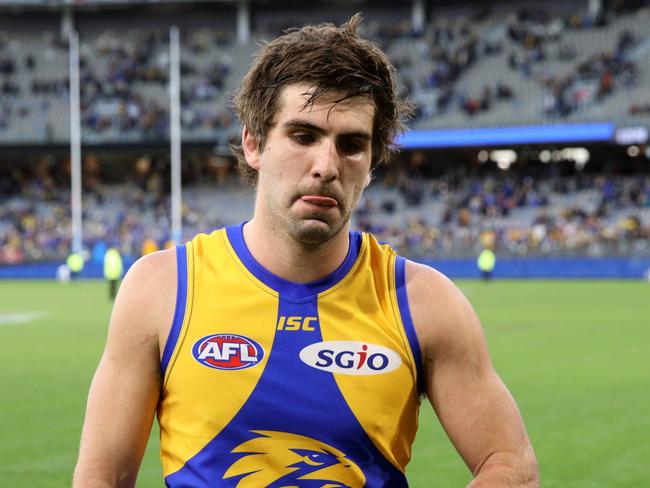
{"points": [[314, 232]]}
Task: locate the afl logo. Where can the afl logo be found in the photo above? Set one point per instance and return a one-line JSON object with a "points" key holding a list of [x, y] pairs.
{"points": [[350, 357], [227, 351]]}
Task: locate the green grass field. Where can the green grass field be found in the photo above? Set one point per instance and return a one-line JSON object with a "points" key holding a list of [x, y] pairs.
{"points": [[575, 354]]}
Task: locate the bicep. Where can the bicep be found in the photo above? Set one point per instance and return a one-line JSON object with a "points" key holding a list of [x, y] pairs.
{"points": [[473, 405], [126, 386]]}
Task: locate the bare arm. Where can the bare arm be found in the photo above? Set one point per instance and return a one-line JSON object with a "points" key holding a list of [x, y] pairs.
{"points": [[473, 405], [124, 392]]}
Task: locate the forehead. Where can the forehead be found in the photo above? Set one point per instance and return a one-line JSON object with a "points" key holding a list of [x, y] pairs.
{"points": [[353, 114]]}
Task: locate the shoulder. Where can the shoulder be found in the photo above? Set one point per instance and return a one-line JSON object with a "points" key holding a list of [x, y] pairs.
{"points": [[152, 276], [146, 300], [441, 314]]}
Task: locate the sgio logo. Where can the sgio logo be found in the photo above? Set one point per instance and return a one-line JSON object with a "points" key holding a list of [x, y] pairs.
{"points": [[350, 357]]}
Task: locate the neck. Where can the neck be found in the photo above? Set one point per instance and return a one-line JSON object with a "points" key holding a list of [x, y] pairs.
{"points": [[290, 260]]}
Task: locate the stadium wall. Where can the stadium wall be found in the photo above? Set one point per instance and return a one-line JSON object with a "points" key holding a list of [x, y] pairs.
{"points": [[554, 268], [547, 268], [45, 271]]}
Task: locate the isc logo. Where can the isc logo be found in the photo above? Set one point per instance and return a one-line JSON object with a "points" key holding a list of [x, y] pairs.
{"points": [[227, 351], [296, 322], [350, 357]]}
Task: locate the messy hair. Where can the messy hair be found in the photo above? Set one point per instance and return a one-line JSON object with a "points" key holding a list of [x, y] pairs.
{"points": [[330, 59]]}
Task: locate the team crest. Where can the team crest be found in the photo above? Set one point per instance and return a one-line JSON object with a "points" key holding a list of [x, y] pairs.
{"points": [[283, 460], [227, 351]]}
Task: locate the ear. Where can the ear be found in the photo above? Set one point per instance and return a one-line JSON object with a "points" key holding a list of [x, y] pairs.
{"points": [[251, 148], [368, 179]]}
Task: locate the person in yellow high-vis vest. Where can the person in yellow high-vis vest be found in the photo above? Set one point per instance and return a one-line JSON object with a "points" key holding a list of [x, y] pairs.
{"points": [[486, 262], [113, 269], [75, 264]]}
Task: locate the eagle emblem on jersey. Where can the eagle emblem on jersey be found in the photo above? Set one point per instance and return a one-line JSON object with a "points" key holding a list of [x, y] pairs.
{"points": [[283, 460]]}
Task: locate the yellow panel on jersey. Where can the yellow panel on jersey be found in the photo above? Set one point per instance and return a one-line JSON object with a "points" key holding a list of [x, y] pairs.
{"points": [[273, 383], [198, 401], [376, 320]]}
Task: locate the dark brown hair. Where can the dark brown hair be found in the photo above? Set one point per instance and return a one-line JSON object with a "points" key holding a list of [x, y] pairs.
{"points": [[330, 58]]}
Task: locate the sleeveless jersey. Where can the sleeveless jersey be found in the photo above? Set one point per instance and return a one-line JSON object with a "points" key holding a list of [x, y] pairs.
{"points": [[270, 383]]}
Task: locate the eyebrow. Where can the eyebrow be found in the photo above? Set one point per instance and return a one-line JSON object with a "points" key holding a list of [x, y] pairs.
{"points": [[303, 124]]}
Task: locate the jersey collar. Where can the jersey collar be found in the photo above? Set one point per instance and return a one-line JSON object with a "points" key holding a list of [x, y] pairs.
{"points": [[286, 288]]}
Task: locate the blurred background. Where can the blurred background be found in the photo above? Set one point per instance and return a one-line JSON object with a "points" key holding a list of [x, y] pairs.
{"points": [[530, 133], [530, 139]]}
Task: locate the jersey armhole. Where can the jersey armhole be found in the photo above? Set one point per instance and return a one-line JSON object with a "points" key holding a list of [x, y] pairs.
{"points": [[179, 311], [407, 320]]}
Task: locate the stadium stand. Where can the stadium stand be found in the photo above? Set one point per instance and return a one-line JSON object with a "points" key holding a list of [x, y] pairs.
{"points": [[469, 66], [448, 216]]}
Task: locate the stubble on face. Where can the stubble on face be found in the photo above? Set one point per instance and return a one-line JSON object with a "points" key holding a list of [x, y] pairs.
{"points": [[317, 230], [312, 227]]}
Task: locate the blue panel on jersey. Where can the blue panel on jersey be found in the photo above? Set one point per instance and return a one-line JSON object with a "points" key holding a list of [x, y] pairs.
{"points": [[407, 320], [289, 289], [290, 414], [179, 312]]}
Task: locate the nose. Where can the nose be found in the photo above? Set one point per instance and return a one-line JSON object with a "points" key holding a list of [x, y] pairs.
{"points": [[326, 163]]}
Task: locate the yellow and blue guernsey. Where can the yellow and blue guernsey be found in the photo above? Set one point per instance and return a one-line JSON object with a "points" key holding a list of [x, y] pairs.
{"points": [[269, 383]]}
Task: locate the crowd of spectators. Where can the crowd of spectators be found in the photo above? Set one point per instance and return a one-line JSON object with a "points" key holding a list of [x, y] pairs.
{"points": [[534, 37], [123, 80], [124, 73], [117, 77], [448, 216], [35, 216], [454, 216], [537, 36], [592, 81], [451, 52], [28, 100]]}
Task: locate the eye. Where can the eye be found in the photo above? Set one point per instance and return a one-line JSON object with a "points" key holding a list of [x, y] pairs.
{"points": [[315, 459], [303, 138], [350, 147]]}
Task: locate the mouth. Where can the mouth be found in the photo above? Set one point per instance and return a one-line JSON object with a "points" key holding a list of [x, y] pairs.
{"points": [[319, 201]]}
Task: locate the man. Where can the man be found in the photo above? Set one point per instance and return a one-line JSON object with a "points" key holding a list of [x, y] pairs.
{"points": [[113, 269], [485, 262], [75, 263], [298, 351]]}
